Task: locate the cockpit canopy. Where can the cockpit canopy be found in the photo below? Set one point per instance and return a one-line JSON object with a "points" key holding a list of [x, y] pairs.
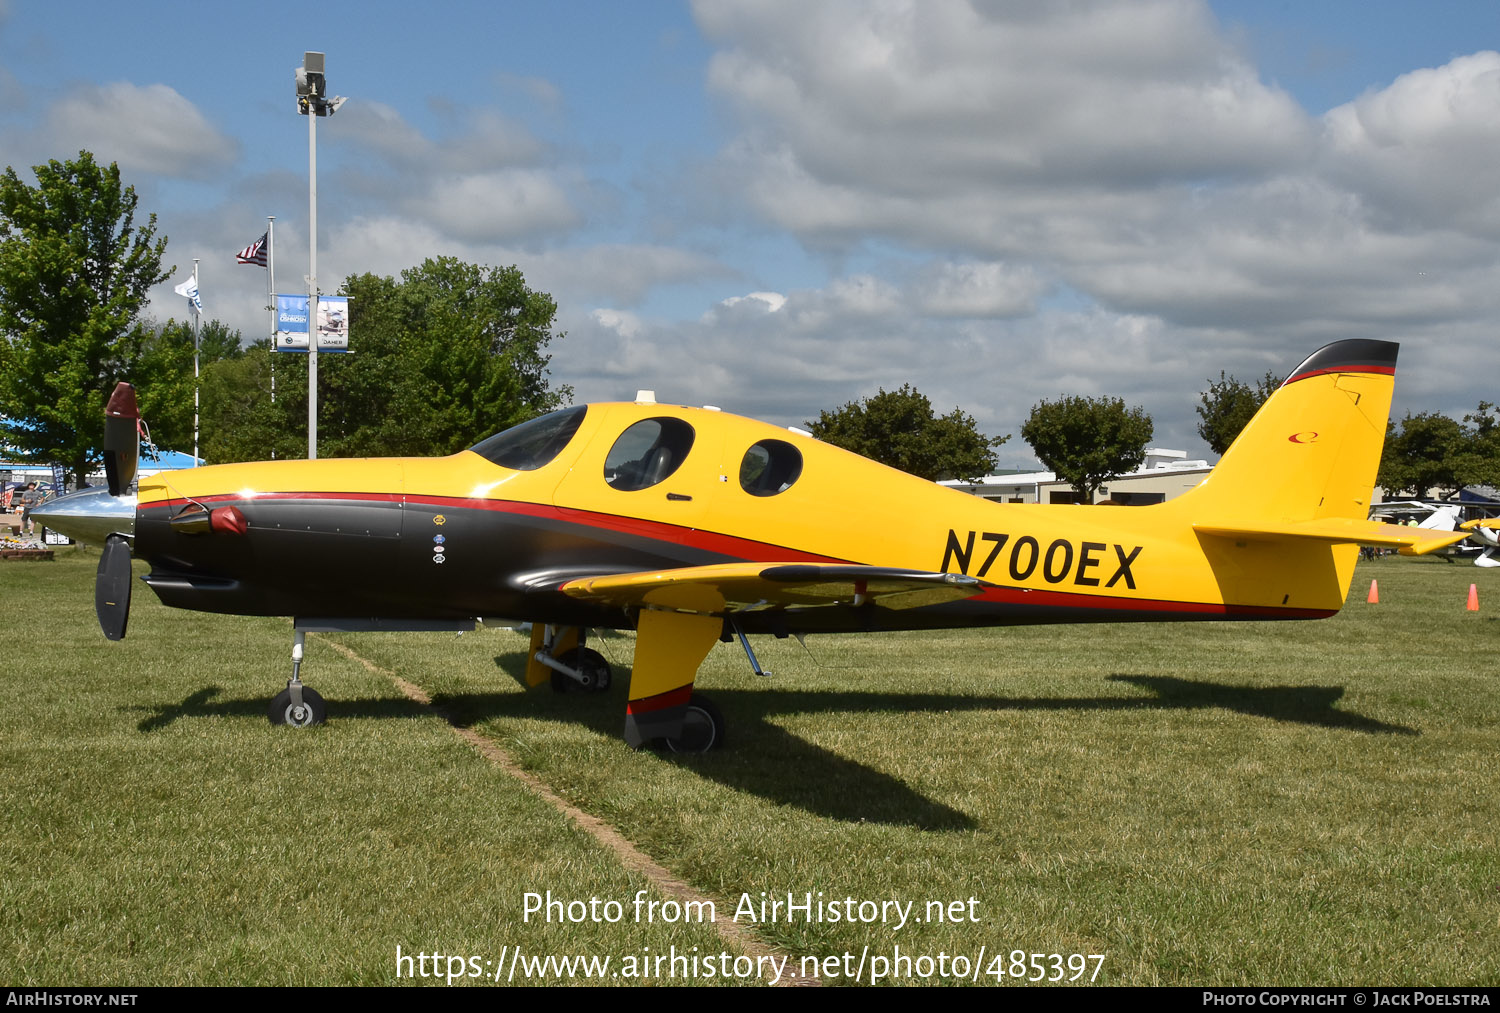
{"points": [[532, 445], [645, 453]]}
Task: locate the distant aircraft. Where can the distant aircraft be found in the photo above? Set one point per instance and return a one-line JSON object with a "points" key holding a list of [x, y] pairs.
{"points": [[691, 525], [1483, 530], [1444, 516]]}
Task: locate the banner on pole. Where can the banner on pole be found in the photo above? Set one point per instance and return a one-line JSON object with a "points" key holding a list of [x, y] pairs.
{"points": [[332, 329]]}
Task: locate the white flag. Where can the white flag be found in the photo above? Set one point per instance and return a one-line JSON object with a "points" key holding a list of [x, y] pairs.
{"points": [[189, 289]]}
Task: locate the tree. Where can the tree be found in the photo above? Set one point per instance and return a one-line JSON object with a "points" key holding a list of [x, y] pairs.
{"points": [[447, 355], [1424, 454], [74, 273], [1431, 452], [444, 356], [1228, 405], [1087, 441], [898, 428], [1480, 462], [163, 377], [240, 421]]}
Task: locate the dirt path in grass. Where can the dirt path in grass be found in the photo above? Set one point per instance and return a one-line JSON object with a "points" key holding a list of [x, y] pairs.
{"points": [[632, 857]]}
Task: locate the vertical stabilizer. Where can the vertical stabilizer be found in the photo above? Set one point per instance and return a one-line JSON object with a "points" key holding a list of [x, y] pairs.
{"points": [[1313, 449]]}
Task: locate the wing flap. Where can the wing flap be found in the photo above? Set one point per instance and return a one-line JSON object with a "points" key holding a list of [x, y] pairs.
{"points": [[1341, 531], [741, 587]]}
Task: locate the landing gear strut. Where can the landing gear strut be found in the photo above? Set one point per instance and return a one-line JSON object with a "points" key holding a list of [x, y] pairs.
{"points": [[594, 673]]}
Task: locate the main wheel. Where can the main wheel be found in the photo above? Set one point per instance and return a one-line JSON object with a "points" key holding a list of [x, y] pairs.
{"points": [[312, 712], [702, 728], [597, 675]]}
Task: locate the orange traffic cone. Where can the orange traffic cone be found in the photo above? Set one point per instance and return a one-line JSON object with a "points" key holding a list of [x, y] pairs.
{"points": [[1473, 598], [1374, 598]]}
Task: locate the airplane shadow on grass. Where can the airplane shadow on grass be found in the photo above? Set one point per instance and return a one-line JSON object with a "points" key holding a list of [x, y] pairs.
{"points": [[765, 760]]}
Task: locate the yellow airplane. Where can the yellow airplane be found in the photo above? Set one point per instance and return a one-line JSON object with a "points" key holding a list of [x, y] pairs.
{"points": [[691, 525]]}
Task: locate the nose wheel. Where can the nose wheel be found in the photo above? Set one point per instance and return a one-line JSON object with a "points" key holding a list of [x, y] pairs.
{"points": [[297, 706], [309, 710]]}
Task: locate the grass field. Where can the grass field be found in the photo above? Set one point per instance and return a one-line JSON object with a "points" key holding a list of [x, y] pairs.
{"points": [[1297, 803]]}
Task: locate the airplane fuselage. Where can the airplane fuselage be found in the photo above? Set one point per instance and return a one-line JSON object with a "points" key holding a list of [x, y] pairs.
{"points": [[464, 536]]}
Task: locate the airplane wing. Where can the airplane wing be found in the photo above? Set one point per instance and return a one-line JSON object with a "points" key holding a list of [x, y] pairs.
{"points": [[1342, 530], [742, 587]]}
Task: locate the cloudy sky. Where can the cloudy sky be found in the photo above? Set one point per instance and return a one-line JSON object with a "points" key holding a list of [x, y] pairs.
{"points": [[779, 206]]}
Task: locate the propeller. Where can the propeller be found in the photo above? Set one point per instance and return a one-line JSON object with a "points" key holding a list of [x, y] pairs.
{"points": [[122, 451], [112, 587], [122, 441]]}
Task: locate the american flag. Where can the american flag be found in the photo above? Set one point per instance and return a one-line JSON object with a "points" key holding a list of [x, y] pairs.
{"points": [[255, 253]]}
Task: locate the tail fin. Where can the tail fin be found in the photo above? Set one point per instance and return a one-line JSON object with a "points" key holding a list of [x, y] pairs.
{"points": [[1305, 465]]}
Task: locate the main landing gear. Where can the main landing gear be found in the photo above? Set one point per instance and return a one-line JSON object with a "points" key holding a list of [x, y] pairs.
{"points": [[573, 667], [702, 723]]}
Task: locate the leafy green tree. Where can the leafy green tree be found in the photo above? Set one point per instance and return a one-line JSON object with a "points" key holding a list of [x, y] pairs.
{"points": [[1480, 462], [1431, 453], [1423, 455], [241, 422], [446, 355], [1086, 441], [163, 377], [75, 269], [443, 356], [1228, 406], [898, 428]]}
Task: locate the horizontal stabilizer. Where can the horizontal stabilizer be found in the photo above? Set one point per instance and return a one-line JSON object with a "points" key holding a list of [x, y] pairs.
{"points": [[741, 587], [1341, 531]]}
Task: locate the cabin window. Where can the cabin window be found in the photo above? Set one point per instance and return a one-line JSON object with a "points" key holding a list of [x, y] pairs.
{"points": [[531, 445], [647, 453], [770, 467]]}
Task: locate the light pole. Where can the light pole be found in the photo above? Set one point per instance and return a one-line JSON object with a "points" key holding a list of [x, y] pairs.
{"points": [[312, 104], [197, 329]]}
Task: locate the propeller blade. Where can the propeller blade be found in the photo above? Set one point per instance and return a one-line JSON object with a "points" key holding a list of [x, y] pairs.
{"points": [[112, 587], [122, 441]]}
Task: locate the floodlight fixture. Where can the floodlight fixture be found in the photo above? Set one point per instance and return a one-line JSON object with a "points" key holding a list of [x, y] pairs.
{"points": [[312, 85]]}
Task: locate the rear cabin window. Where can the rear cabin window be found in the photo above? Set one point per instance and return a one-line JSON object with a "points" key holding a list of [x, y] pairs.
{"points": [[647, 453], [531, 445], [770, 467]]}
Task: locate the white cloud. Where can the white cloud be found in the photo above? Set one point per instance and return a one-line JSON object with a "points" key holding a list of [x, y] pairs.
{"points": [[907, 98], [979, 290], [623, 323], [765, 302], [497, 206], [1420, 149], [484, 139], [148, 128]]}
